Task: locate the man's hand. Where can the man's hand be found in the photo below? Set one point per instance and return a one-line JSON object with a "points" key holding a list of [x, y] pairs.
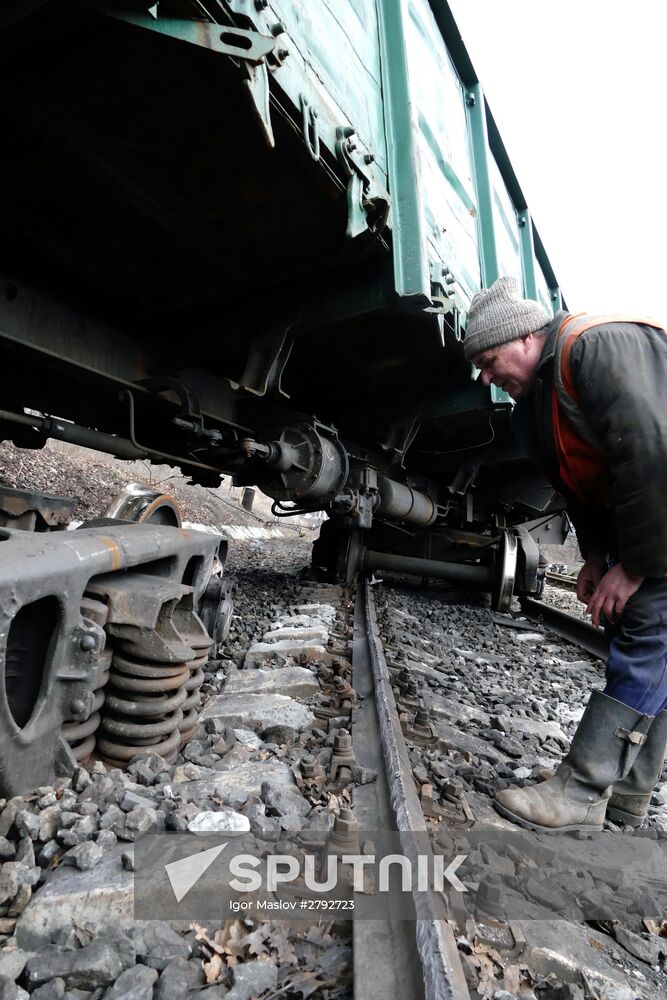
{"points": [[590, 575], [611, 594]]}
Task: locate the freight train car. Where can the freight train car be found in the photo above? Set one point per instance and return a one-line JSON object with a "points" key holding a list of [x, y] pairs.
{"points": [[241, 237]]}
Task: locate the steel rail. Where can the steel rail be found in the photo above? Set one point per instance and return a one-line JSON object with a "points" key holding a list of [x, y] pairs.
{"points": [[594, 640], [440, 961], [386, 961], [562, 580]]}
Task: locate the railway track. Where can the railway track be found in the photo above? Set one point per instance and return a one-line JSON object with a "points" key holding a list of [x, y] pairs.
{"points": [[563, 580], [567, 626], [399, 679], [425, 950], [354, 715]]}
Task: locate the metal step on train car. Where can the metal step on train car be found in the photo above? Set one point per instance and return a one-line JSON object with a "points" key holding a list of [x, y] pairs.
{"points": [[241, 237]]}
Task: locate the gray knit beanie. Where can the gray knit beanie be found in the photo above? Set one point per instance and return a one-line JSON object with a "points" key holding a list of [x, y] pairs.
{"points": [[497, 315]]}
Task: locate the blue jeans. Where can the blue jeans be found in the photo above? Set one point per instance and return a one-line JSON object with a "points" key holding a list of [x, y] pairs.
{"points": [[637, 664]]}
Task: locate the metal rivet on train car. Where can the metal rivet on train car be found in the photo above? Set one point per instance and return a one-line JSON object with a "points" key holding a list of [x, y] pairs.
{"points": [[87, 643], [277, 29]]}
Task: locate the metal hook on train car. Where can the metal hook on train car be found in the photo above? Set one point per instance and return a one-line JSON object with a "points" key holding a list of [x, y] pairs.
{"points": [[311, 131]]}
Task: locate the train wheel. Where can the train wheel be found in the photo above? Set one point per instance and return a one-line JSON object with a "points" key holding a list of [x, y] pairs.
{"points": [[506, 564], [146, 506]]}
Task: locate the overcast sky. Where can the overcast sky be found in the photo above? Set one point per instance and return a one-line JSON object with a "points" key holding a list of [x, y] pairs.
{"points": [[579, 92]]}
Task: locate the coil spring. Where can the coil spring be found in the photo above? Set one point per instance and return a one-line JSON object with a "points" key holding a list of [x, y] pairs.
{"points": [[200, 643], [193, 701], [143, 710]]}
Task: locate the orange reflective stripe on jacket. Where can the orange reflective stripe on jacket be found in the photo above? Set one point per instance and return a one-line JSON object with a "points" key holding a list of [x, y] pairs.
{"points": [[582, 467]]}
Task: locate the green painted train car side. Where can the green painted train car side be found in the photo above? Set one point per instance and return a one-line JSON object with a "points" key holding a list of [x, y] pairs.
{"points": [[243, 235]]}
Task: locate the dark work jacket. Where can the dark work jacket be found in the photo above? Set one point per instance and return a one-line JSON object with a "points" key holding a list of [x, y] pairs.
{"points": [[619, 372]]}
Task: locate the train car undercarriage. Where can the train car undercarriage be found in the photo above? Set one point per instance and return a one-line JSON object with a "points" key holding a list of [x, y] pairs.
{"points": [[234, 295]]}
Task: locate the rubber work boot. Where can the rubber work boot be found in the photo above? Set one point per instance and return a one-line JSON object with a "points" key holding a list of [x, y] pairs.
{"points": [[631, 796], [604, 748]]}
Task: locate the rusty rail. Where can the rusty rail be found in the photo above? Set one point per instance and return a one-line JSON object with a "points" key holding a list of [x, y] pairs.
{"points": [[563, 580], [441, 969], [576, 630]]}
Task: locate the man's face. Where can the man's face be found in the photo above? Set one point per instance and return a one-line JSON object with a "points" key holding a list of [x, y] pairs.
{"points": [[511, 366]]}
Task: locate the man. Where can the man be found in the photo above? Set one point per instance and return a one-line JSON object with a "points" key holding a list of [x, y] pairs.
{"points": [[592, 413]]}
